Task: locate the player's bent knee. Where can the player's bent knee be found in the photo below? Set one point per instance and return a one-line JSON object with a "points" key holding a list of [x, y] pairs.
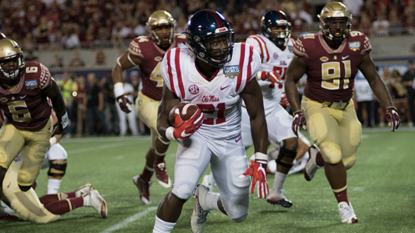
{"points": [[183, 191], [57, 168], [240, 218], [331, 152], [349, 162]]}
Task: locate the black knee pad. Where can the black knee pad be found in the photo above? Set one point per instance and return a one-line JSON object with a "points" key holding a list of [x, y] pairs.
{"points": [[60, 170], [284, 153], [24, 188]]}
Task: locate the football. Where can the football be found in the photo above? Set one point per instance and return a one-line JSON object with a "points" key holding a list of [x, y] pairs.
{"points": [[186, 111]]}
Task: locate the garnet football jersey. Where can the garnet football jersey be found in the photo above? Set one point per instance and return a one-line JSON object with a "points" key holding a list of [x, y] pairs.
{"points": [[151, 56], [218, 98], [331, 72], [273, 59], [27, 107]]}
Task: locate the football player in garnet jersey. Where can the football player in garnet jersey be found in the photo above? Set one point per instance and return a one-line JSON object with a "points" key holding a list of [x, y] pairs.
{"points": [[275, 46], [24, 88], [216, 74], [331, 60], [147, 53], [49, 207]]}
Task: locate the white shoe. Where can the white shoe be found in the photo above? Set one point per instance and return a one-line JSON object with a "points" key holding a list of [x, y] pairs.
{"points": [[209, 181], [311, 166], [84, 189], [276, 197], [199, 215], [347, 213], [96, 201]]}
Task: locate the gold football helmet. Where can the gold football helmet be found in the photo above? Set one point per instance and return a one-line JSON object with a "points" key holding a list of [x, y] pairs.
{"points": [[335, 10], [9, 51], [157, 19]]}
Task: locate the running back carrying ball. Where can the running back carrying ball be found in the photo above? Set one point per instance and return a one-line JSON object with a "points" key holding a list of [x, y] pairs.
{"points": [[187, 110]]}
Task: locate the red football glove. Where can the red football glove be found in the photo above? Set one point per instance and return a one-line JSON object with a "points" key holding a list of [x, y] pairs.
{"points": [[258, 170], [393, 118], [125, 104], [185, 128], [272, 76], [284, 101], [298, 120]]}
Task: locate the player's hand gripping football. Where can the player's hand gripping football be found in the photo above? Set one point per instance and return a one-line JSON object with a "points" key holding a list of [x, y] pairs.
{"points": [[185, 128], [125, 104], [393, 118], [258, 170], [298, 120]]}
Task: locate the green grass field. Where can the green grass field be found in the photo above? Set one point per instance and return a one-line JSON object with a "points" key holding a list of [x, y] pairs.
{"points": [[381, 188]]}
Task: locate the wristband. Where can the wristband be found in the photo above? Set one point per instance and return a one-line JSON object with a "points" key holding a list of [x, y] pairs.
{"points": [[118, 89], [169, 133], [52, 141], [64, 120], [261, 75], [261, 158]]}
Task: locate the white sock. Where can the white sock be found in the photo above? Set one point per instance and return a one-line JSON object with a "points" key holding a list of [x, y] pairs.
{"points": [[161, 226], [53, 186], [211, 201], [279, 180]]}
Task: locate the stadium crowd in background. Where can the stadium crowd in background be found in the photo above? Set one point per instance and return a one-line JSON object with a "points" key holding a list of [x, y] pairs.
{"points": [[69, 24]]}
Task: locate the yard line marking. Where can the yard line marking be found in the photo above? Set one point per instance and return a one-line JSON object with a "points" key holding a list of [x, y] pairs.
{"points": [[129, 220], [95, 148]]}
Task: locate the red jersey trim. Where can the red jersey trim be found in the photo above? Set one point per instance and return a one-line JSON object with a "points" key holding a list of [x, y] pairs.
{"points": [[266, 48], [251, 51], [179, 73], [241, 63], [170, 72]]}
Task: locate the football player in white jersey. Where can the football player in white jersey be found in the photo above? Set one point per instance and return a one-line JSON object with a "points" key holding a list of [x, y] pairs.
{"points": [[216, 74], [276, 49]]}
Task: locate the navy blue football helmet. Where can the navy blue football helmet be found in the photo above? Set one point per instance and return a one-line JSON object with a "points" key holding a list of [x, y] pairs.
{"points": [[206, 28], [276, 19]]}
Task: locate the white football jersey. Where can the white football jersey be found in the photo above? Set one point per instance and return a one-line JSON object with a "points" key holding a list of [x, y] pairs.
{"points": [[219, 98], [273, 59]]}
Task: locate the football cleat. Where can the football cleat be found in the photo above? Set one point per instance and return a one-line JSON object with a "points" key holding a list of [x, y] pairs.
{"points": [[312, 166], [161, 174], [97, 202], [209, 181], [347, 213], [143, 189], [199, 215], [84, 189], [277, 198]]}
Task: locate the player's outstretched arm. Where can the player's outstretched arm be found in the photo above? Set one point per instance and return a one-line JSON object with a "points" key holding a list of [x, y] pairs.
{"points": [[125, 61], [168, 101], [296, 70], [252, 96], [55, 95], [368, 69]]}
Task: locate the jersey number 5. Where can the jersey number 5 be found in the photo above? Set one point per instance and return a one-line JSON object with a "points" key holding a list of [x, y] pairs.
{"points": [[331, 74], [211, 109]]}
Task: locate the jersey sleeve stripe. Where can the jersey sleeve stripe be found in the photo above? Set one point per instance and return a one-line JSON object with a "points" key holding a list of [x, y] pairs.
{"points": [[292, 40], [266, 48], [260, 46], [251, 51], [179, 73], [169, 70], [241, 70]]}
